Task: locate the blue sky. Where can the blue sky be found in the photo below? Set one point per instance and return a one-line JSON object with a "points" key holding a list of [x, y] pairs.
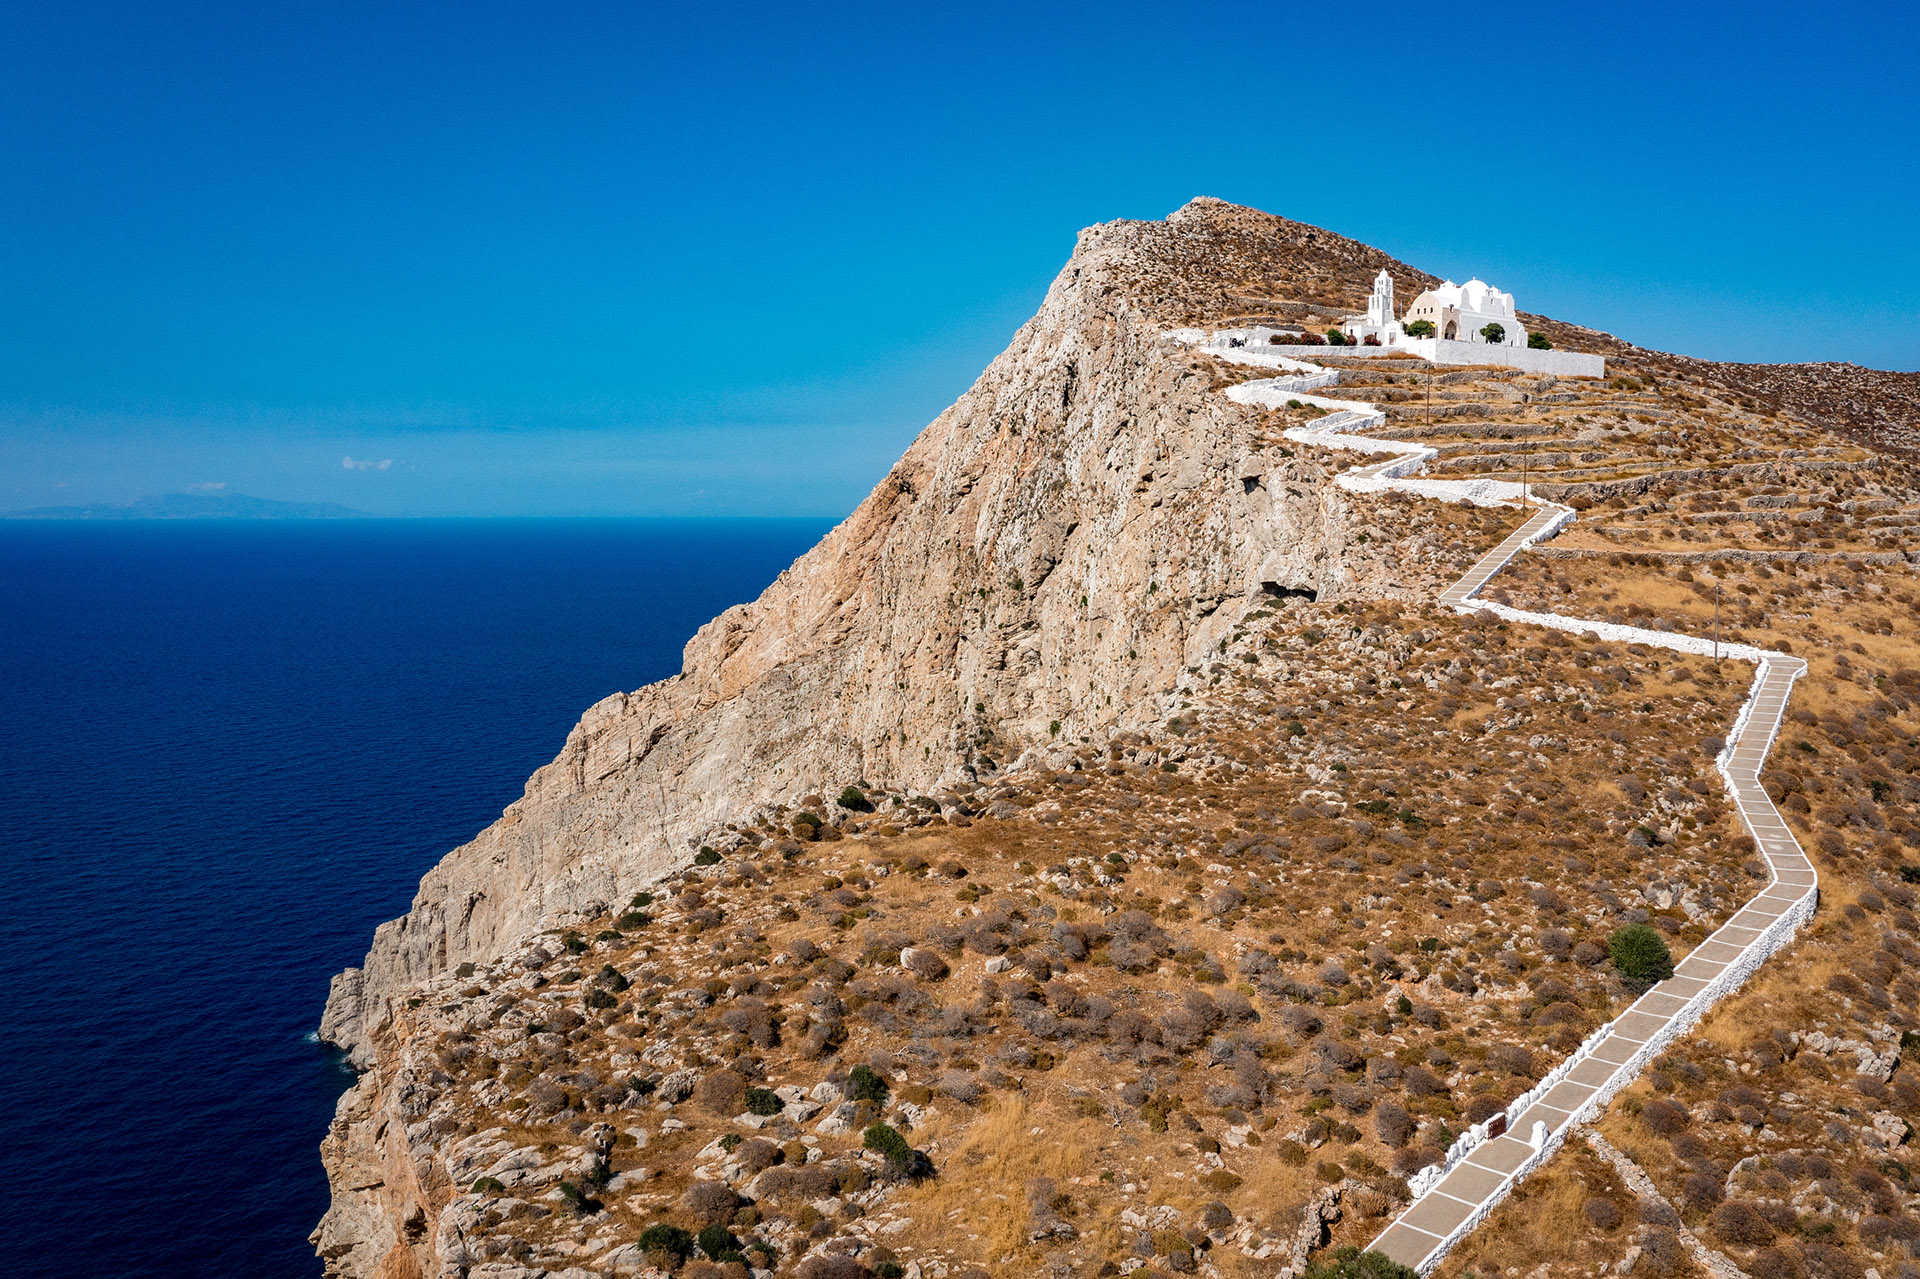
{"points": [[551, 260]]}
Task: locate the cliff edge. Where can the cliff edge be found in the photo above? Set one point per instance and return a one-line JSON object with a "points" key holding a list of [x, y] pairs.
{"points": [[1038, 567]]}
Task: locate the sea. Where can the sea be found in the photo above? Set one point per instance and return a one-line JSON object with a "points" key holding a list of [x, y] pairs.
{"points": [[229, 749]]}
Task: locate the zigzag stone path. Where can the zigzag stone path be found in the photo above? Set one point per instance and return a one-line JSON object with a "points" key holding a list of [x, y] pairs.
{"points": [[1482, 1168]]}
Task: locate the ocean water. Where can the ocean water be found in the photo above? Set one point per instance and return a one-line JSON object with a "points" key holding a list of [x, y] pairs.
{"points": [[227, 751]]}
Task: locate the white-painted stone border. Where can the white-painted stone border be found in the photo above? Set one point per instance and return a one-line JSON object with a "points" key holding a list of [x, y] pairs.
{"points": [[1481, 1169], [1254, 346]]}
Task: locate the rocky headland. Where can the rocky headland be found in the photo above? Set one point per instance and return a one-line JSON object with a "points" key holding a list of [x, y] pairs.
{"points": [[1098, 854]]}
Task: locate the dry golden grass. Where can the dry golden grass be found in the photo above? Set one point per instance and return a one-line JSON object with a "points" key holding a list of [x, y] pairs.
{"points": [[986, 1172], [1542, 1224]]}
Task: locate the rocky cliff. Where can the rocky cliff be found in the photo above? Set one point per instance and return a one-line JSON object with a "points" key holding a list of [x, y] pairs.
{"points": [[1042, 562]]}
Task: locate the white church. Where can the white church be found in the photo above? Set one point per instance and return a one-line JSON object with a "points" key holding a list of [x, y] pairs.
{"points": [[1458, 312]]}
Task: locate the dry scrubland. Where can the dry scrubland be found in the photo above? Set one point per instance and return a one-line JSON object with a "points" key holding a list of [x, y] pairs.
{"points": [[1329, 917], [1201, 996]]}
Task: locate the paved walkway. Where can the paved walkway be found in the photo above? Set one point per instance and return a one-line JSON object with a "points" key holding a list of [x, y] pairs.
{"points": [[1483, 1166], [1420, 1236]]}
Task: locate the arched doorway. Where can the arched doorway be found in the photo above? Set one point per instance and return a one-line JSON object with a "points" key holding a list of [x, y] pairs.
{"points": [[1453, 331]]}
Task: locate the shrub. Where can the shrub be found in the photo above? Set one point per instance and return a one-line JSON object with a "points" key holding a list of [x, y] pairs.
{"points": [[886, 1139], [1495, 334], [598, 998], [1421, 1082], [1483, 1107], [1701, 1191], [830, 1267], [1393, 1124], [710, 1202], [1336, 338], [661, 1237], [706, 857], [855, 800], [574, 942], [1664, 1116], [488, 1186], [1348, 1262], [923, 964], [715, 1240], [722, 1092], [864, 1085], [1420, 329], [902, 1160], [1736, 1222], [1601, 1213], [1538, 342], [577, 1199], [1640, 956], [634, 919], [764, 1101], [759, 1154]]}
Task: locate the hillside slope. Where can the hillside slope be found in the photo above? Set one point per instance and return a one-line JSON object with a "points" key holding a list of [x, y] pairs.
{"points": [[1050, 549]]}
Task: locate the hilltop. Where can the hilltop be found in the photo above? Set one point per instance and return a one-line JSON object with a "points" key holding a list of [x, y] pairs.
{"points": [[1106, 811]]}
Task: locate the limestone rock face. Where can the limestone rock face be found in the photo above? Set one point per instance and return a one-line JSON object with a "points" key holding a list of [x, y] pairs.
{"points": [[386, 1203], [1053, 547]]}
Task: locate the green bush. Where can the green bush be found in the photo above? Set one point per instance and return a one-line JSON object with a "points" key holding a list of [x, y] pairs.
{"points": [[612, 978], [706, 857], [864, 1085], [1336, 338], [887, 1140], [464, 970], [1348, 1262], [598, 998], [715, 1240], [855, 800], [641, 899], [1420, 329], [1640, 956], [1538, 342], [574, 942], [578, 1200], [660, 1237], [764, 1101], [634, 919], [488, 1186], [1495, 334]]}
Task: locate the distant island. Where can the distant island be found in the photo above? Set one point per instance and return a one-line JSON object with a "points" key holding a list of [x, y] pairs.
{"points": [[196, 506]]}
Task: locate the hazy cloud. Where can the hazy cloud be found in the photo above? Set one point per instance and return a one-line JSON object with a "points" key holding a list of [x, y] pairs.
{"points": [[366, 464], [207, 486]]}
